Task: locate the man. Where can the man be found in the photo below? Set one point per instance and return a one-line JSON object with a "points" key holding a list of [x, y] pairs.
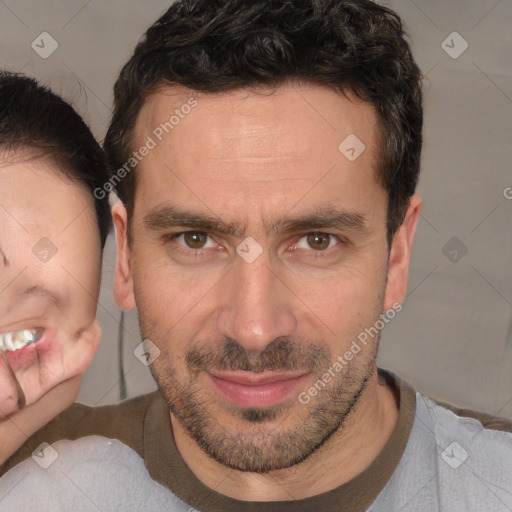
{"points": [[266, 155]]}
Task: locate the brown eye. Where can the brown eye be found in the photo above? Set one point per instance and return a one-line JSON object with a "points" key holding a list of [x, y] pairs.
{"points": [[318, 241], [195, 240]]}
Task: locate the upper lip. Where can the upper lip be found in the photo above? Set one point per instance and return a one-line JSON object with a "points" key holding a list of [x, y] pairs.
{"points": [[248, 378]]}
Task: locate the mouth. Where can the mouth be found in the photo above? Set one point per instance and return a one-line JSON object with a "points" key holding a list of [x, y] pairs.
{"points": [[256, 389], [11, 341], [26, 346]]}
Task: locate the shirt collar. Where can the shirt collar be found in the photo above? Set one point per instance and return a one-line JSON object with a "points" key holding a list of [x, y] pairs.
{"points": [[166, 466]]}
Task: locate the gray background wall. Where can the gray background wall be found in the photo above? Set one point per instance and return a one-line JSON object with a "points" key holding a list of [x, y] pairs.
{"points": [[453, 339]]}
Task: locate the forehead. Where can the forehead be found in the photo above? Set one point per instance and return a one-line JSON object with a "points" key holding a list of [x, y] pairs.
{"points": [[243, 141], [36, 194], [287, 121]]}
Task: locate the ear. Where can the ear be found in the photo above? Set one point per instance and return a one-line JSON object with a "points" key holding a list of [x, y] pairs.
{"points": [[123, 283], [400, 255]]}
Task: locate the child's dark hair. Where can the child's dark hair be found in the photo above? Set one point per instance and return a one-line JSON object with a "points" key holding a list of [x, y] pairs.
{"points": [[32, 117]]}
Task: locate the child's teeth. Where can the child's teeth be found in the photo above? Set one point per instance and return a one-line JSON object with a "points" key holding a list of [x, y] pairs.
{"points": [[19, 339]]}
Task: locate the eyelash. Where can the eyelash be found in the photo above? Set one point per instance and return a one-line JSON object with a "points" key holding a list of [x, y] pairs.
{"points": [[200, 252]]}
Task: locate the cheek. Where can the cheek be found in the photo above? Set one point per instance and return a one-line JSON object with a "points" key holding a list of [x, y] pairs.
{"points": [[84, 285], [166, 292], [346, 301], [90, 276]]}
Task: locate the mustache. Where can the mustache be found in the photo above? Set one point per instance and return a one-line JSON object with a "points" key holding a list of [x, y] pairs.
{"points": [[280, 354]]}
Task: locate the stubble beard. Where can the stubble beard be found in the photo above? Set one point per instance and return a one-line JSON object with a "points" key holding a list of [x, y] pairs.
{"points": [[263, 439]]}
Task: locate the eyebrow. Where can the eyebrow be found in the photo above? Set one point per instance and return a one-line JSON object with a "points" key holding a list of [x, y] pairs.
{"points": [[326, 217]]}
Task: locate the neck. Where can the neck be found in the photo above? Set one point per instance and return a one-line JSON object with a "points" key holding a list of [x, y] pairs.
{"points": [[345, 455]]}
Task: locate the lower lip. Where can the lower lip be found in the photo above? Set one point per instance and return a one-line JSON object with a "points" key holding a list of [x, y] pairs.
{"points": [[23, 357], [256, 395]]}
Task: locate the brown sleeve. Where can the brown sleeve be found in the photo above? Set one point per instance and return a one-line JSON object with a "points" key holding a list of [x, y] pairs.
{"points": [[487, 420], [123, 421]]}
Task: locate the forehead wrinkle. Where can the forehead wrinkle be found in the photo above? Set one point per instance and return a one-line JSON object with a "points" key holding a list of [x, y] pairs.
{"points": [[260, 181]]}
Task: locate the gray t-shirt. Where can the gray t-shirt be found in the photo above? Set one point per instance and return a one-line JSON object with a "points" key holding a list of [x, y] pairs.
{"points": [[438, 458]]}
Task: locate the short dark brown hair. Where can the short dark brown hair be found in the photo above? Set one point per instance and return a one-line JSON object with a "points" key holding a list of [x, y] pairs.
{"points": [[32, 117], [221, 45]]}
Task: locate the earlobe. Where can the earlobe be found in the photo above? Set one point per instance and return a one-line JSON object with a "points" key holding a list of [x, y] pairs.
{"points": [[123, 283], [400, 255]]}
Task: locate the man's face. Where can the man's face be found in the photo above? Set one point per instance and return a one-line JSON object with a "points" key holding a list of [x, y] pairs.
{"points": [[245, 325], [50, 264]]}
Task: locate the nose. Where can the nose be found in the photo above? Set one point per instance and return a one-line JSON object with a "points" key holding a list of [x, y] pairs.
{"points": [[256, 307]]}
